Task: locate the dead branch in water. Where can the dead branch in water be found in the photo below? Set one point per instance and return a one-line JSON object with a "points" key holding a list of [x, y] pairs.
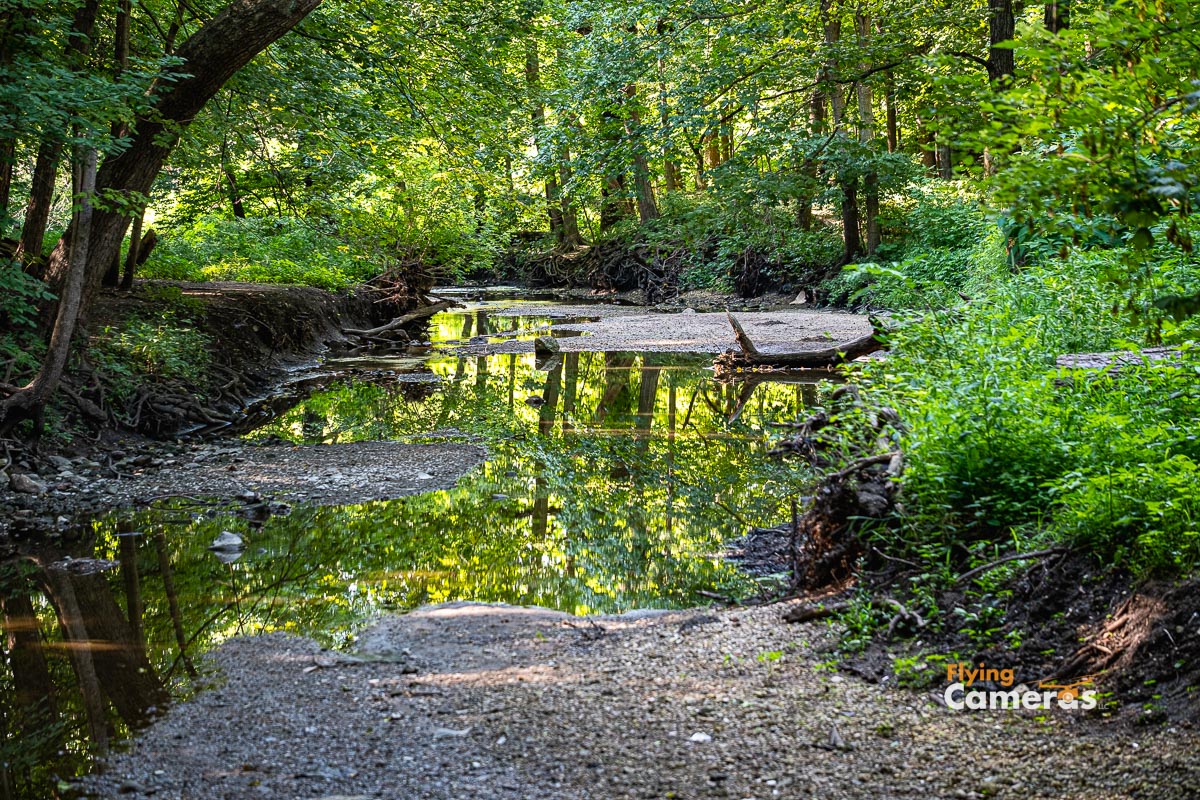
{"points": [[806, 359], [412, 316]]}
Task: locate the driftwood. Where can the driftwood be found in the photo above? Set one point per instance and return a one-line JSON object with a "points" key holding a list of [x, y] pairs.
{"points": [[412, 316], [809, 359]]}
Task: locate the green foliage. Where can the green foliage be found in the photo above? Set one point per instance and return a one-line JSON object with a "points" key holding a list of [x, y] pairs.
{"points": [[20, 346], [718, 234], [266, 250], [19, 296], [164, 347], [939, 245], [1003, 447]]}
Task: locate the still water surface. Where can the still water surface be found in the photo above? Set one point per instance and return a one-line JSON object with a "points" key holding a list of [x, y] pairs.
{"points": [[612, 483]]}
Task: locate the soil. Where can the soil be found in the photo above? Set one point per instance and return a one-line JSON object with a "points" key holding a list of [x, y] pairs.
{"points": [[498, 702], [1065, 617], [256, 332]]}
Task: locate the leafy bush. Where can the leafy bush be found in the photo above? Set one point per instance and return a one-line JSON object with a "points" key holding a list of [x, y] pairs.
{"points": [[164, 347], [1003, 446], [938, 243], [718, 232], [19, 296], [20, 346], [265, 250]]}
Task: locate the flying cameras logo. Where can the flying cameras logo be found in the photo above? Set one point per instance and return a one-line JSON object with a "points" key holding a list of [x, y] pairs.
{"points": [[962, 694]]}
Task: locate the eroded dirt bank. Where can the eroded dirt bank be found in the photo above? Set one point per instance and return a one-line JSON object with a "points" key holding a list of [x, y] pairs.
{"points": [[498, 702]]}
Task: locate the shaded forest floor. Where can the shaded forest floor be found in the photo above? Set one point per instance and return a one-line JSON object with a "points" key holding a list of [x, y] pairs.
{"points": [[498, 702]]}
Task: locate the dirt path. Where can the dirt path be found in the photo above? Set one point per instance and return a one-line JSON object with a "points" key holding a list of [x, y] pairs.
{"points": [[477, 701]]}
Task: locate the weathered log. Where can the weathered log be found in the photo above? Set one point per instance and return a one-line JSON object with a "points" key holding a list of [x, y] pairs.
{"points": [[412, 316], [810, 359]]}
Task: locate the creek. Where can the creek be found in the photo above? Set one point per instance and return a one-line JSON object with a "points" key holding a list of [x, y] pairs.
{"points": [[613, 482]]}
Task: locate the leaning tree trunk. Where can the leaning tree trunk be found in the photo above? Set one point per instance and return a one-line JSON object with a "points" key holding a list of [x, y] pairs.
{"points": [[79, 261], [209, 58], [30, 401]]}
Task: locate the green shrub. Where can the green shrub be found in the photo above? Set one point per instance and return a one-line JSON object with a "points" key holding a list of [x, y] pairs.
{"points": [[264, 250], [1003, 446], [938, 245], [1145, 515], [719, 230], [164, 347]]}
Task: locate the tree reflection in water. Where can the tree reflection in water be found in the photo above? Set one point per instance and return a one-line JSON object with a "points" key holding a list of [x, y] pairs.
{"points": [[612, 488]]}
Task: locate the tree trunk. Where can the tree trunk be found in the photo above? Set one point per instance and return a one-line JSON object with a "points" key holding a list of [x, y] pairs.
{"points": [[45, 171], [125, 675], [167, 573], [75, 637], [647, 392], [134, 257], [1001, 28], [8, 152], [831, 24], [866, 131], [893, 130], [643, 189], [30, 401], [210, 57], [1057, 15], [572, 238], [871, 201], [78, 262], [866, 112], [850, 232], [670, 169], [945, 162], [33, 689], [235, 195], [712, 151], [37, 212], [533, 84], [927, 142]]}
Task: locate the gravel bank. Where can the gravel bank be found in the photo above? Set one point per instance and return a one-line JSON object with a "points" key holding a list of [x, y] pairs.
{"points": [[495, 702], [336, 474], [622, 328]]}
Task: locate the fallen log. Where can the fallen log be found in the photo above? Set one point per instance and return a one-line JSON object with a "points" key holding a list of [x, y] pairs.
{"points": [[808, 359], [412, 316]]}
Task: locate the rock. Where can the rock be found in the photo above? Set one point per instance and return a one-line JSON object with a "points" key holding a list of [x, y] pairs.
{"points": [[700, 737], [450, 733], [227, 541], [801, 299], [62, 464], [545, 346], [23, 484]]}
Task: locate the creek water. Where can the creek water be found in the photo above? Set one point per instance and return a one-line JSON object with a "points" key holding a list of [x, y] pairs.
{"points": [[613, 481]]}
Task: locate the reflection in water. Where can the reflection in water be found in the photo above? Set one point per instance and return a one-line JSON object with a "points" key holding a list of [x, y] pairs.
{"points": [[613, 480]]}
